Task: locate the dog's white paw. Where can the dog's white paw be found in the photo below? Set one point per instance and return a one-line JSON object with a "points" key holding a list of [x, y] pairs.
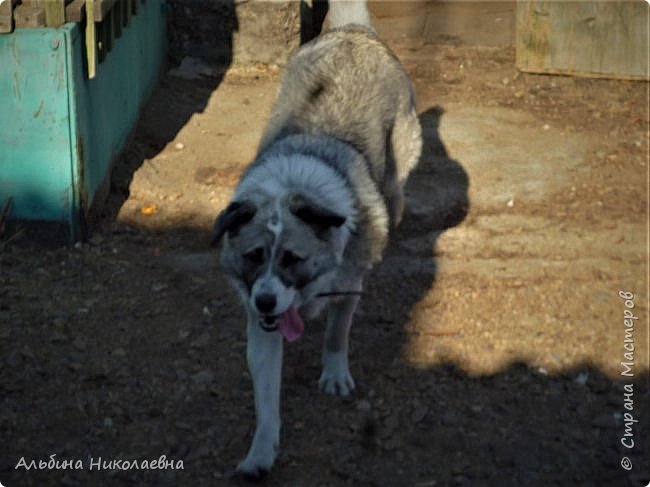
{"points": [[336, 378], [257, 464], [261, 456]]}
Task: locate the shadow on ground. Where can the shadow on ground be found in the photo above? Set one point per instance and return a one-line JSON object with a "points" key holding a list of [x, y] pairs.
{"points": [[113, 352], [201, 30], [132, 347]]}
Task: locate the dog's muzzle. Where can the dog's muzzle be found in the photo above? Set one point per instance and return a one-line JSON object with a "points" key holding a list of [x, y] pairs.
{"points": [[288, 323], [268, 323]]}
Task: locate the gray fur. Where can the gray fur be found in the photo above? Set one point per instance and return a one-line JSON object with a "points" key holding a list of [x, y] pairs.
{"points": [[312, 212]]}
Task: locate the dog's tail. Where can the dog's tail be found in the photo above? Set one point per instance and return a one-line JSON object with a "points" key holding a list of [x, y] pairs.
{"points": [[344, 12]]}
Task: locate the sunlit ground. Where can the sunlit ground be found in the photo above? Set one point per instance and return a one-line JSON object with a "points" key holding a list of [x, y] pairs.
{"points": [[484, 314], [556, 228]]}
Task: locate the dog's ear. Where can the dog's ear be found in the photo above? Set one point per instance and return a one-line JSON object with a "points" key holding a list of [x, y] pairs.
{"points": [[230, 219], [316, 216]]}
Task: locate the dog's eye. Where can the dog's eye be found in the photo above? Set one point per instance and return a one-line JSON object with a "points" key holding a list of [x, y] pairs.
{"points": [[289, 258], [255, 256]]}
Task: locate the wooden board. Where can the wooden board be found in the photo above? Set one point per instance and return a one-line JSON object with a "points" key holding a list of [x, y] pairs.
{"points": [[54, 13], [27, 16], [75, 11], [6, 16], [589, 38], [101, 9], [467, 22], [91, 39]]}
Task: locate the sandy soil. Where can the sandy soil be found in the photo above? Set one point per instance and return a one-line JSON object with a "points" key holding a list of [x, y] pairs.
{"points": [[488, 346]]}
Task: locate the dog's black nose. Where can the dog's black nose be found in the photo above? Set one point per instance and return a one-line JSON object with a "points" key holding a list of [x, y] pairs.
{"points": [[265, 302]]}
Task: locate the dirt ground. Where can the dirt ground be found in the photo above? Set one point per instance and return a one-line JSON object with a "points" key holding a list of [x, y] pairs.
{"points": [[488, 346]]}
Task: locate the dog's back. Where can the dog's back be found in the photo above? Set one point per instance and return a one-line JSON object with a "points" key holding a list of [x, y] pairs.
{"points": [[348, 85]]}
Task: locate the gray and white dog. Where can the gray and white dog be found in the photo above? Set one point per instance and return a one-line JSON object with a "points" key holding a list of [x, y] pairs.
{"points": [[312, 213]]}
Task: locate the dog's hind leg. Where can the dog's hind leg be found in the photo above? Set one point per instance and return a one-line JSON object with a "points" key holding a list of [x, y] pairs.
{"points": [[336, 378], [405, 148], [264, 355]]}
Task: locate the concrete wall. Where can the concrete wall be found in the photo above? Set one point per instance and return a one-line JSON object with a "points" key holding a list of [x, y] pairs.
{"points": [[269, 30]]}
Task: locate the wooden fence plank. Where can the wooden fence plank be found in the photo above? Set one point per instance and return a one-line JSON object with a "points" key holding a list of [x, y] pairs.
{"points": [[27, 16], [75, 11], [91, 40], [590, 38], [102, 7], [54, 13], [118, 12], [127, 12], [6, 16]]}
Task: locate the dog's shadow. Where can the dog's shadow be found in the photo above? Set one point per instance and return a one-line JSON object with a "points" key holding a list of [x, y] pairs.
{"points": [[436, 199], [436, 196]]}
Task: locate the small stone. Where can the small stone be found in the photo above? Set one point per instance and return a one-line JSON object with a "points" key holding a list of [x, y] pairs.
{"points": [[605, 421], [67, 481], [201, 452], [96, 240], [179, 146], [449, 419], [582, 378], [158, 286], [526, 460], [419, 413], [204, 376], [79, 344], [119, 352], [392, 422], [75, 366], [58, 337], [201, 342], [364, 406], [15, 359], [391, 444]]}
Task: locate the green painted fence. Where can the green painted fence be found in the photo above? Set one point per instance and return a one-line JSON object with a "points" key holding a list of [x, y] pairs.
{"points": [[59, 130]]}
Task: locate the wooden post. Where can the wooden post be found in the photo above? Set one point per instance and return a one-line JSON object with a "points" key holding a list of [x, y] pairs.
{"points": [[102, 8], [91, 40], [75, 11], [6, 16], [28, 16], [118, 22], [129, 10], [54, 13]]}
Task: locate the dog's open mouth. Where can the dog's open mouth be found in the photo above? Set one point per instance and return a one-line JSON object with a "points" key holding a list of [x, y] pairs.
{"points": [[269, 323], [289, 324]]}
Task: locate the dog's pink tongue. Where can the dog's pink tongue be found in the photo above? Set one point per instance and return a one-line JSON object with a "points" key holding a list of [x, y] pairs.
{"points": [[290, 324]]}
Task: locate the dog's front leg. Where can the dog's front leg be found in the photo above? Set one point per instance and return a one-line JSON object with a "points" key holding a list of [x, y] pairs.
{"points": [[264, 355], [336, 378]]}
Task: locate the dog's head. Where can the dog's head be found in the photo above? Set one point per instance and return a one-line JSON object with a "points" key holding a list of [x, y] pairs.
{"points": [[279, 252]]}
